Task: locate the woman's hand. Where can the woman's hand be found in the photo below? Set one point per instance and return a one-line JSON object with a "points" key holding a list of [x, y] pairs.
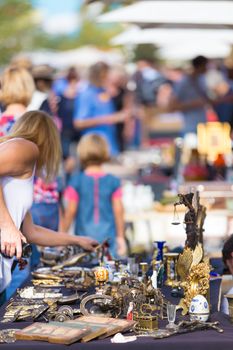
{"points": [[87, 243], [121, 246], [11, 241]]}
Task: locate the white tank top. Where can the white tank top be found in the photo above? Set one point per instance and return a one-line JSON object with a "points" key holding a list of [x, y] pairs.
{"points": [[18, 196]]}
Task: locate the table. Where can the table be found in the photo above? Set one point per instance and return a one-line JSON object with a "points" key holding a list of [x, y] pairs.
{"points": [[198, 340]]}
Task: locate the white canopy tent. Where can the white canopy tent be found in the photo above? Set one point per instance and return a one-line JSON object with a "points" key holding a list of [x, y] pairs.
{"points": [[192, 49], [180, 43], [182, 13], [163, 36], [81, 57]]}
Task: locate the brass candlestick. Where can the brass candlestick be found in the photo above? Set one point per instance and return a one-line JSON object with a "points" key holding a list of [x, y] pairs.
{"points": [[171, 262], [144, 268]]}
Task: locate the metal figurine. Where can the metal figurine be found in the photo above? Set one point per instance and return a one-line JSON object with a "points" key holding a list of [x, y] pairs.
{"points": [[193, 219], [190, 219]]}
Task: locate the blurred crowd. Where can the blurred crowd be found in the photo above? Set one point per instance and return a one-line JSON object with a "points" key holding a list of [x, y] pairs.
{"points": [[78, 102]]}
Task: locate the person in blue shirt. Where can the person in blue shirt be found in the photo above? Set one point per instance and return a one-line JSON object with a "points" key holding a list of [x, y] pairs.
{"points": [[190, 96], [93, 197], [94, 108]]}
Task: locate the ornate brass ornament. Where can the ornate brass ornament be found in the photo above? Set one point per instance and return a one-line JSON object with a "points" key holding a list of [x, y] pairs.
{"points": [[194, 274], [192, 269], [184, 263], [197, 283]]}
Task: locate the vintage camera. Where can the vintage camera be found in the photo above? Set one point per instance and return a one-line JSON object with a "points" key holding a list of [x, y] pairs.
{"points": [[26, 251]]}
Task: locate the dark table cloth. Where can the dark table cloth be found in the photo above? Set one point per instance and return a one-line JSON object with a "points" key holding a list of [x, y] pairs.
{"points": [[201, 340]]}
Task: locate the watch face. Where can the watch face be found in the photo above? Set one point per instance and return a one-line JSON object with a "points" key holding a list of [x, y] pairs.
{"points": [[8, 335], [27, 250]]}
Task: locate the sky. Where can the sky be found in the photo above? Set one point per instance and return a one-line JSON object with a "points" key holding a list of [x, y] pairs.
{"points": [[59, 16]]}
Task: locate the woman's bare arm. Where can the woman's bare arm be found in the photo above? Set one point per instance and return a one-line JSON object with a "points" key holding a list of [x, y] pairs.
{"points": [[45, 237], [107, 119]]}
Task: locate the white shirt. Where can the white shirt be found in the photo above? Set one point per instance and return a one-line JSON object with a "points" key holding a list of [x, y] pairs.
{"points": [[18, 196]]}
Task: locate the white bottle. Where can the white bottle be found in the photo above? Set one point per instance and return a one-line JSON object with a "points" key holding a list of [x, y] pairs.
{"points": [[154, 279]]}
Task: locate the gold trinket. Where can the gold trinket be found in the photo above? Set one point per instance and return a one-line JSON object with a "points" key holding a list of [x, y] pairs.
{"points": [[101, 276], [145, 322]]}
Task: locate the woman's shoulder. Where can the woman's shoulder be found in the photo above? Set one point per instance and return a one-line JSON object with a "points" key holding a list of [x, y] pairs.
{"points": [[21, 147], [17, 157]]}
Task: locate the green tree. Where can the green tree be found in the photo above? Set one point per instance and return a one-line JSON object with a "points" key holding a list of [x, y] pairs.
{"points": [[91, 33], [20, 31], [17, 24]]}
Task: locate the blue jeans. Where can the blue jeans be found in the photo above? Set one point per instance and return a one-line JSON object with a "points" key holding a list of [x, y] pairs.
{"points": [[2, 297], [45, 215], [18, 277]]}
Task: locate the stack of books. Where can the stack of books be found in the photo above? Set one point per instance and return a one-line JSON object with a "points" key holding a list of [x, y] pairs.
{"points": [[82, 329]]}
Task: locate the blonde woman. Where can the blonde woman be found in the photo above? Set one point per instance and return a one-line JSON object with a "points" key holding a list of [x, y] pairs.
{"points": [[32, 147], [17, 87]]}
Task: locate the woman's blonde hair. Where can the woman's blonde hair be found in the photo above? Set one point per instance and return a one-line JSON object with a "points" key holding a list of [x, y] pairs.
{"points": [[17, 86], [39, 128], [93, 150]]}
